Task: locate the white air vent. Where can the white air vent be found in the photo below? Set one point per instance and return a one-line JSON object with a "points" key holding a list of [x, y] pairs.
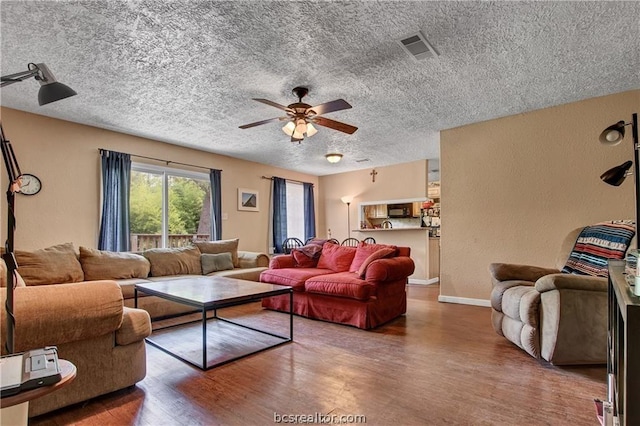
{"points": [[418, 46]]}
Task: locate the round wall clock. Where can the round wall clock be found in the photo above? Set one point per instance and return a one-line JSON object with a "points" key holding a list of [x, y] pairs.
{"points": [[31, 184]]}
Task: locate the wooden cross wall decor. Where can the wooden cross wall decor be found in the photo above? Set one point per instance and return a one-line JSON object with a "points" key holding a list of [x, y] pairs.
{"points": [[373, 175]]}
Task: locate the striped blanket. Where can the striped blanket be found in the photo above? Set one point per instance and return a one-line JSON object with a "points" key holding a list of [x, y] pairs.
{"points": [[598, 243]]}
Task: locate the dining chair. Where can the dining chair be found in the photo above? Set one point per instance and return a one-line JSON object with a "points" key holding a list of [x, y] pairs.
{"points": [[290, 243], [350, 242]]}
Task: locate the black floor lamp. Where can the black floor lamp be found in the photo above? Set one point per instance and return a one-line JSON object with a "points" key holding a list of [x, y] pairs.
{"points": [[613, 135], [50, 91]]}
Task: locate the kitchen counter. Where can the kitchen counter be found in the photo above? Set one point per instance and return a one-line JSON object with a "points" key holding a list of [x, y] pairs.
{"points": [[421, 244]]}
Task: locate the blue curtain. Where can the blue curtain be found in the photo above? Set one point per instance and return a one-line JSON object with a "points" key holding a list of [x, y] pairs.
{"points": [[116, 178], [215, 176], [279, 212], [309, 212]]}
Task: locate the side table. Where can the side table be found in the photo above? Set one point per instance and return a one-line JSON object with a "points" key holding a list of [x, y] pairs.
{"points": [[14, 409]]}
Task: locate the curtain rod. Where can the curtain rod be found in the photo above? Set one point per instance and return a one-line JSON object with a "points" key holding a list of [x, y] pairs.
{"points": [[288, 180], [167, 162]]}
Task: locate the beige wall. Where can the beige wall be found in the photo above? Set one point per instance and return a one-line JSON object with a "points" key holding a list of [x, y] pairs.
{"points": [[65, 157], [400, 181], [513, 187]]}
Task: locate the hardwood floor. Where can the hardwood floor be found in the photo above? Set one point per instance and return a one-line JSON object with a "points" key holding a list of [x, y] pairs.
{"points": [[440, 364]]}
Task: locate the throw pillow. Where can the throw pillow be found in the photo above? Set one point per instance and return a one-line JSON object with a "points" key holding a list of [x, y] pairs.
{"points": [[363, 251], [335, 257], [53, 265], [110, 265], [379, 254], [596, 244], [221, 246], [174, 261], [216, 262]]}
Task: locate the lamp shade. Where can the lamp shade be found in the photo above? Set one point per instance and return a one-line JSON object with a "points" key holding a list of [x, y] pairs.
{"points": [[613, 134], [54, 92], [616, 175], [311, 130], [289, 128], [333, 157], [50, 89], [347, 199]]}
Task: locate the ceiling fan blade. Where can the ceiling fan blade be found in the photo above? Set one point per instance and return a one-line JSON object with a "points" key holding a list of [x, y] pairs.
{"points": [[273, 104], [257, 123], [336, 125], [337, 105]]}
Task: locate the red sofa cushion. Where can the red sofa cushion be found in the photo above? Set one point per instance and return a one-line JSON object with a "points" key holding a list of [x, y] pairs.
{"points": [[404, 251], [364, 250], [293, 277], [380, 254], [335, 257], [344, 284]]}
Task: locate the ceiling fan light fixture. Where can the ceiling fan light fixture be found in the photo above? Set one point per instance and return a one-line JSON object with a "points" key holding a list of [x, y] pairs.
{"points": [[334, 157], [300, 116], [301, 126], [311, 130], [289, 128]]}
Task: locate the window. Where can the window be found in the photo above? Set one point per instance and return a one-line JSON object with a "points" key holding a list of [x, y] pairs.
{"points": [[168, 207], [295, 210]]}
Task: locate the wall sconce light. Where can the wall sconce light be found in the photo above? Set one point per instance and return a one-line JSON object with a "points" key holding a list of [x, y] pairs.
{"points": [[612, 136], [333, 157]]}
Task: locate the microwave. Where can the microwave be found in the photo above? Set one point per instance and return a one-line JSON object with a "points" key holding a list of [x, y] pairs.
{"points": [[400, 210]]}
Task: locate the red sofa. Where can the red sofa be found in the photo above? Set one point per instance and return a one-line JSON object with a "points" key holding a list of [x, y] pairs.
{"points": [[361, 286]]}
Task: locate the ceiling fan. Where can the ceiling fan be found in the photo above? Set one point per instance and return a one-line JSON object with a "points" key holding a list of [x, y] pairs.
{"points": [[301, 117]]}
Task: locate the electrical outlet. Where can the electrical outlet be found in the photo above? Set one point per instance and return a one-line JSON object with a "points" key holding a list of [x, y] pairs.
{"points": [[225, 216]]}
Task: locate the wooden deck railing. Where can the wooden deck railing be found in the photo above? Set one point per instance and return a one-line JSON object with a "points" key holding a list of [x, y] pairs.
{"points": [[141, 242]]}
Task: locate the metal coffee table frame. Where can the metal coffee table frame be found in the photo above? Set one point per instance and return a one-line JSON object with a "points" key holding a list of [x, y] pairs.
{"points": [[214, 306]]}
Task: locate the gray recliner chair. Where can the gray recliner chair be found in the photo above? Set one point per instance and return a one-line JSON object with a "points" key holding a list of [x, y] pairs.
{"points": [[556, 316]]}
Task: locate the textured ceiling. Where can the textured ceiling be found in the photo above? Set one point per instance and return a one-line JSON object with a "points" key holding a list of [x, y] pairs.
{"points": [[184, 72]]}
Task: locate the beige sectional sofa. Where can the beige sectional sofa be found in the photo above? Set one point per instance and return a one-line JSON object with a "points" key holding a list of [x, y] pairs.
{"points": [[62, 264], [82, 302], [167, 264], [91, 328]]}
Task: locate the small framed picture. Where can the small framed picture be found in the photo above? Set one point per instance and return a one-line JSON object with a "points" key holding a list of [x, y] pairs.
{"points": [[247, 200]]}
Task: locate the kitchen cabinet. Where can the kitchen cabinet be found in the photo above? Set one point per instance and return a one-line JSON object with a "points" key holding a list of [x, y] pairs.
{"points": [[376, 211], [434, 190], [417, 207]]}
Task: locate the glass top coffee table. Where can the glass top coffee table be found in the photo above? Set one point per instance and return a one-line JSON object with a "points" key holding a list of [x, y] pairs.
{"points": [[210, 294]]}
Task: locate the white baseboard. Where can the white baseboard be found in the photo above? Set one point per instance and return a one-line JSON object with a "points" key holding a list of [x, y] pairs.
{"points": [[464, 301], [435, 280]]}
